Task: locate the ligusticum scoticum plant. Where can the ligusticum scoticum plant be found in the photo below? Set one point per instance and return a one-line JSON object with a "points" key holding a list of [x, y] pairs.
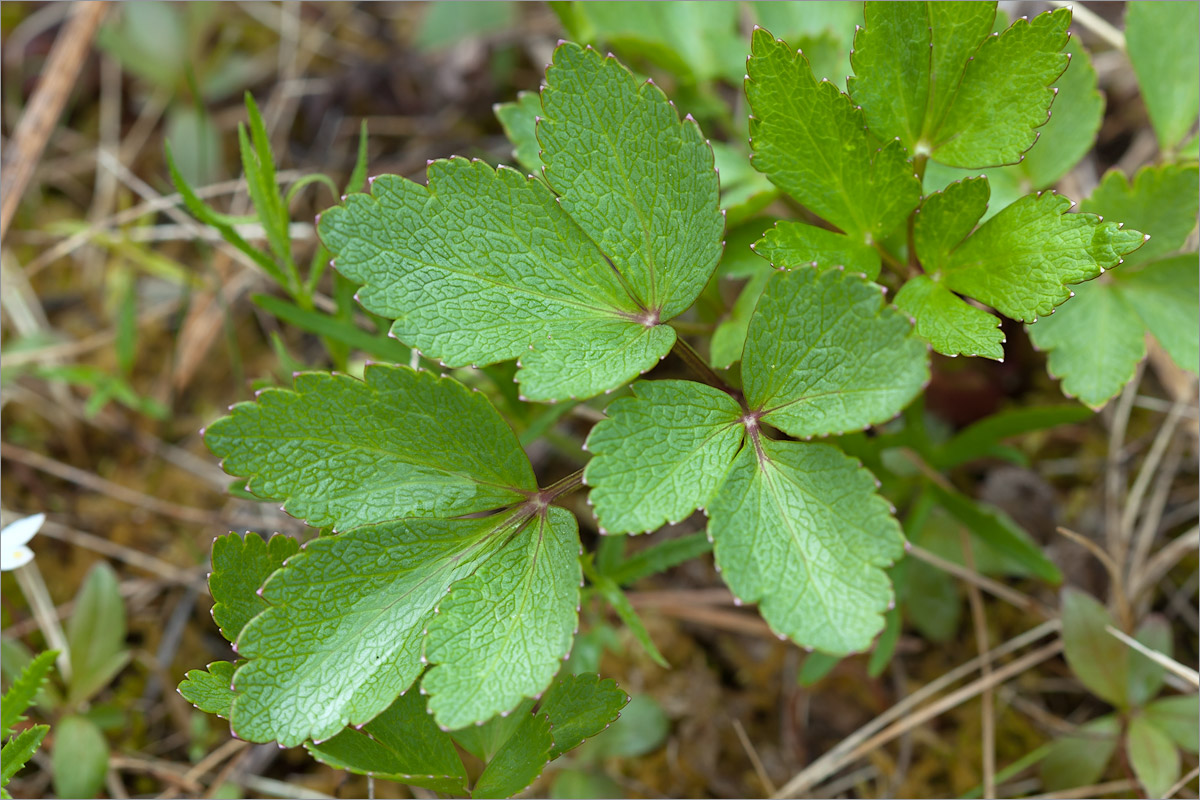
{"points": [[448, 579]]}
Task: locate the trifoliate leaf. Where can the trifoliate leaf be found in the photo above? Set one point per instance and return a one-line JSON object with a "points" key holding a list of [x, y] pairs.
{"points": [[402, 744], [639, 182], [1162, 202], [344, 452], [908, 62], [1153, 756], [519, 762], [1162, 44], [795, 244], [485, 265], [810, 140], [661, 454], [1176, 717], [519, 120], [1004, 95], [799, 529], [1166, 296], [579, 707], [503, 633], [951, 325], [343, 634], [1021, 260], [1095, 348], [240, 566], [729, 338], [825, 354], [210, 689]]}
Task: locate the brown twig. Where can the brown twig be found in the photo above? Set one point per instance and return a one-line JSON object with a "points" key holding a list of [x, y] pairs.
{"points": [[37, 123], [987, 698]]}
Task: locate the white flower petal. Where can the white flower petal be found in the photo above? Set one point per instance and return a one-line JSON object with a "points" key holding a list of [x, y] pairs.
{"points": [[20, 532], [19, 556]]}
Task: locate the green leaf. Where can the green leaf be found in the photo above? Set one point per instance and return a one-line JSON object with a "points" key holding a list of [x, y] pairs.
{"points": [[579, 707], [240, 566], [1162, 202], [998, 531], [885, 646], [578, 784], [484, 741], [344, 630], [18, 750], [576, 284], [642, 728], [616, 598], [402, 744], [951, 325], [660, 557], [1161, 42], [946, 218], [980, 438], [1096, 343], [24, 689], [1146, 675], [447, 23], [519, 762], [697, 41], [1071, 130], [825, 354], [795, 244], [652, 210], [344, 452], [1096, 347], [1080, 758], [1098, 659], [1004, 94], [1153, 756], [1176, 717], [810, 140], [503, 633], [661, 454], [799, 529], [729, 339], [1164, 294], [80, 758], [96, 634], [1021, 260], [519, 120], [210, 689], [816, 666], [15, 658], [908, 62], [339, 330]]}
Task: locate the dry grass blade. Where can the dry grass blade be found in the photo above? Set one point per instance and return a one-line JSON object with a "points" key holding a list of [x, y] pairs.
{"points": [[840, 755], [987, 698], [37, 123], [989, 585], [1189, 675]]}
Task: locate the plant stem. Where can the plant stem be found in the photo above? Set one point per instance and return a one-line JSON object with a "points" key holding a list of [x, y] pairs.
{"points": [[562, 486], [703, 371], [29, 578]]}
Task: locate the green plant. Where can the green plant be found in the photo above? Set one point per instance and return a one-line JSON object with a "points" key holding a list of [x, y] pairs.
{"points": [[445, 562], [19, 747], [1150, 730], [97, 653]]}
